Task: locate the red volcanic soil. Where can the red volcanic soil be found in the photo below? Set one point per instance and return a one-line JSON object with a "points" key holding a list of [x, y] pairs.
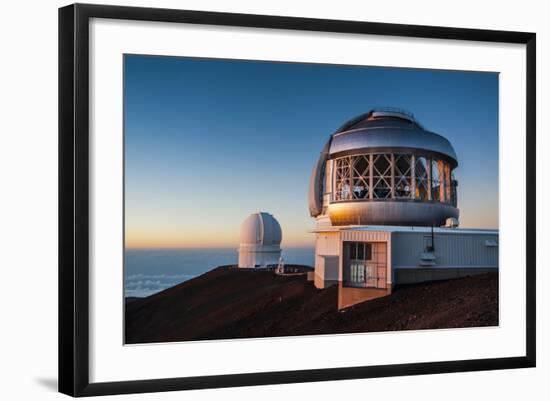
{"points": [[234, 303]]}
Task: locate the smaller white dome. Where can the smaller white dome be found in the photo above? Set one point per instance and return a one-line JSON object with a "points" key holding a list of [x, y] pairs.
{"points": [[261, 229]]}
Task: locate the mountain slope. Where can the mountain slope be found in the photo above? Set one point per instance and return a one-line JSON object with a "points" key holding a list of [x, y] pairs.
{"points": [[235, 303]]}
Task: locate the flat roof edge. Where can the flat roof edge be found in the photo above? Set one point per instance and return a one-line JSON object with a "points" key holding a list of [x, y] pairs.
{"points": [[404, 229]]}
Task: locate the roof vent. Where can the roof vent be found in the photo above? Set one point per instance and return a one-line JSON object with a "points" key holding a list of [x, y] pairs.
{"points": [[392, 112]]}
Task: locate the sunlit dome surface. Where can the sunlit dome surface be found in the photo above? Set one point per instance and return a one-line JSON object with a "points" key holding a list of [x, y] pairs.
{"points": [[260, 241], [261, 228]]}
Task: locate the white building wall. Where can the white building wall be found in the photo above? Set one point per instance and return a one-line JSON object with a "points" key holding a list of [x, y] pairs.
{"points": [[327, 250], [462, 253], [451, 249], [260, 256]]}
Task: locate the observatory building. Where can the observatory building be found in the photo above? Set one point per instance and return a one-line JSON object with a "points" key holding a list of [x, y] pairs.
{"points": [[384, 196], [260, 241]]}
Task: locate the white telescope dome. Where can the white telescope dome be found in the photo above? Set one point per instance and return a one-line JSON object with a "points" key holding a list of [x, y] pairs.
{"points": [[261, 229], [260, 244]]}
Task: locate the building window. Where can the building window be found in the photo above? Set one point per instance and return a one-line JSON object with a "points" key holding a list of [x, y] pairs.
{"points": [[342, 180], [402, 176], [421, 177], [436, 181], [382, 176], [360, 176], [360, 251], [365, 264]]}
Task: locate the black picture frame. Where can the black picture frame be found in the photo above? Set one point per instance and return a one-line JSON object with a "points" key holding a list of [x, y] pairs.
{"points": [[74, 198]]}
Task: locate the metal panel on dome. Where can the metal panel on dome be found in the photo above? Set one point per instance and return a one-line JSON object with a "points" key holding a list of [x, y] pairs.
{"points": [[271, 233], [393, 113], [383, 138], [391, 213], [315, 195]]}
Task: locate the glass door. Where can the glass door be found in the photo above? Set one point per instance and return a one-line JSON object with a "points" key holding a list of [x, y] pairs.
{"points": [[357, 274], [361, 269]]}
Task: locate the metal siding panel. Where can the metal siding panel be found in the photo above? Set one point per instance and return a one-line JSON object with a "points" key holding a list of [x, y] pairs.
{"points": [[390, 212], [450, 250]]}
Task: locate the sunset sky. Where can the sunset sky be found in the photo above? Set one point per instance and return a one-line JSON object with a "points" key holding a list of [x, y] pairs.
{"points": [[207, 142]]}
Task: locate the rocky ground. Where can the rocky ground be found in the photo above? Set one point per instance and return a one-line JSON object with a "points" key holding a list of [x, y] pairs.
{"points": [[235, 303]]}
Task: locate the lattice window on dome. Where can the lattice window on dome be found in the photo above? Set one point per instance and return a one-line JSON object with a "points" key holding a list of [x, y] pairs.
{"points": [[342, 181], [360, 177], [381, 176], [436, 181], [448, 183], [402, 173], [421, 178], [454, 184]]}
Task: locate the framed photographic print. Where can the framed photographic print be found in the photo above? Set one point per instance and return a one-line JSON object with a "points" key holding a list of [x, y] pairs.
{"points": [[250, 199]]}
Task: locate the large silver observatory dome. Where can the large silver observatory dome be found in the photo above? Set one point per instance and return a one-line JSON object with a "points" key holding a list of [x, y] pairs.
{"points": [[384, 168]]}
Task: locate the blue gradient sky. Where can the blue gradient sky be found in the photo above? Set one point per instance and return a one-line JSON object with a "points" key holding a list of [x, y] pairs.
{"points": [[207, 142]]}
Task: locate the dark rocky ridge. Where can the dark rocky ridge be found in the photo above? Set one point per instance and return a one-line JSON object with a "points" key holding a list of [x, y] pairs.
{"points": [[237, 303]]}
